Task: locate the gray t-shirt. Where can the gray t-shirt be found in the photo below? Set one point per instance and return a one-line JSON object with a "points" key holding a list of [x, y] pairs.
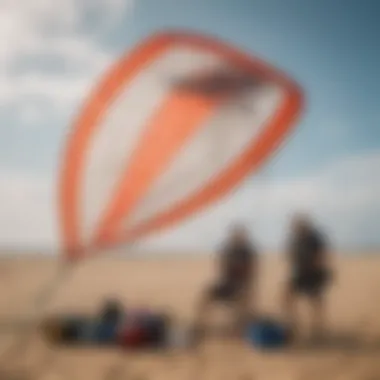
{"points": [[305, 250]]}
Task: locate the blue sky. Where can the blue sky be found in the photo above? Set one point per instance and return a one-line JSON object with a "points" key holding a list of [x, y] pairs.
{"points": [[54, 51]]}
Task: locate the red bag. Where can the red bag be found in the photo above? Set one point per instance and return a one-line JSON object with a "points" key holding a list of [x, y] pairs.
{"points": [[132, 335]]}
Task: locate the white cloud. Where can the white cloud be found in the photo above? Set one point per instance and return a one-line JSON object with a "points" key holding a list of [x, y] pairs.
{"points": [[32, 34], [27, 211], [344, 198], [38, 29]]}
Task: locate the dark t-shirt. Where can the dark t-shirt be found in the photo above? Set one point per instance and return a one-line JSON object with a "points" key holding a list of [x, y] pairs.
{"points": [[237, 261], [305, 251]]}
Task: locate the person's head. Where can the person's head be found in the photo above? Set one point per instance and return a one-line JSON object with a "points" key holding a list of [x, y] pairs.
{"points": [[238, 233], [301, 223]]}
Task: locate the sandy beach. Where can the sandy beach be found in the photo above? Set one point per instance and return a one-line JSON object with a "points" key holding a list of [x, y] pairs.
{"points": [[352, 352]]}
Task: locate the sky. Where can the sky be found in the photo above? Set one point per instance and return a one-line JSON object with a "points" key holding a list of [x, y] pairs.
{"points": [[52, 52]]}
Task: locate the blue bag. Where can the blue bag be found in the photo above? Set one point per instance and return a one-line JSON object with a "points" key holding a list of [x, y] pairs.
{"points": [[267, 334], [106, 332]]}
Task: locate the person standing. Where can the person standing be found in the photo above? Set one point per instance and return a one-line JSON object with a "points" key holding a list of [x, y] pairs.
{"points": [[310, 272], [237, 264]]}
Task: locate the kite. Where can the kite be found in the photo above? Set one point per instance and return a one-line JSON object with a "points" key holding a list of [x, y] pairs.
{"points": [[174, 126]]}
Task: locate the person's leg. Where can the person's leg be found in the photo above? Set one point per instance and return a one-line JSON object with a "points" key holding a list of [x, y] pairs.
{"points": [[243, 309], [202, 312], [290, 307], [315, 291], [317, 301], [203, 308], [318, 317]]}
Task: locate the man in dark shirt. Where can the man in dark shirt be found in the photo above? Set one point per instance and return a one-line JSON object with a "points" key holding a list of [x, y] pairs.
{"points": [[310, 270], [237, 267]]}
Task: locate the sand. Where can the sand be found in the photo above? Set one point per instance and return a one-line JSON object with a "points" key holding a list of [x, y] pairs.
{"points": [[353, 350]]}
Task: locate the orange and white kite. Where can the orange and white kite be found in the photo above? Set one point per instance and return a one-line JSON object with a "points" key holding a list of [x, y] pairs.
{"points": [[174, 126]]}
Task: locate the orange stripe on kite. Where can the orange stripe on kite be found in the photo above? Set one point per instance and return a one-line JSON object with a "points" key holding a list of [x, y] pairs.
{"points": [[249, 161], [170, 128], [73, 159]]}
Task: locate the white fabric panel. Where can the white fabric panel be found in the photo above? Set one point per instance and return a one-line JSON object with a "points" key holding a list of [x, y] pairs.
{"points": [[118, 131], [213, 148]]}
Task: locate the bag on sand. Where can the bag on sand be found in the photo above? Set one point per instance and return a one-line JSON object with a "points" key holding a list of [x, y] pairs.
{"points": [[79, 330], [267, 333], [134, 329], [106, 327], [65, 329], [145, 330]]}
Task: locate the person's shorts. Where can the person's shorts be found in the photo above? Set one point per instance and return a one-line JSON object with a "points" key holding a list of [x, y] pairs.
{"points": [[226, 291], [311, 284]]}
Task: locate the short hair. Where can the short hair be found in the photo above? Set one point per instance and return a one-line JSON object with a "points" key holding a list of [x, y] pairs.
{"points": [[301, 218], [238, 229]]}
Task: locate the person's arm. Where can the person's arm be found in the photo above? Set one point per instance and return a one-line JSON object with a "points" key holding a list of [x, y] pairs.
{"points": [[323, 253], [255, 265], [289, 250], [326, 256], [254, 282], [221, 258]]}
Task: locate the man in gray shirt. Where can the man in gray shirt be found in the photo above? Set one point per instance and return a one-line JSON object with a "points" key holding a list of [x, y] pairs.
{"points": [[308, 256]]}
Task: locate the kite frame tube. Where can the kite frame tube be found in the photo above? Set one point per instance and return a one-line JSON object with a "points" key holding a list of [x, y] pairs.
{"points": [[109, 88]]}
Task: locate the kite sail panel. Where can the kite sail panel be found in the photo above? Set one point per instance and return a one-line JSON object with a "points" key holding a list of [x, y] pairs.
{"points": [[173, 127]]}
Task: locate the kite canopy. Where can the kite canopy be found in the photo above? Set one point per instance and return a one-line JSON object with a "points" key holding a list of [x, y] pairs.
{"points": [[175, 125]]}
